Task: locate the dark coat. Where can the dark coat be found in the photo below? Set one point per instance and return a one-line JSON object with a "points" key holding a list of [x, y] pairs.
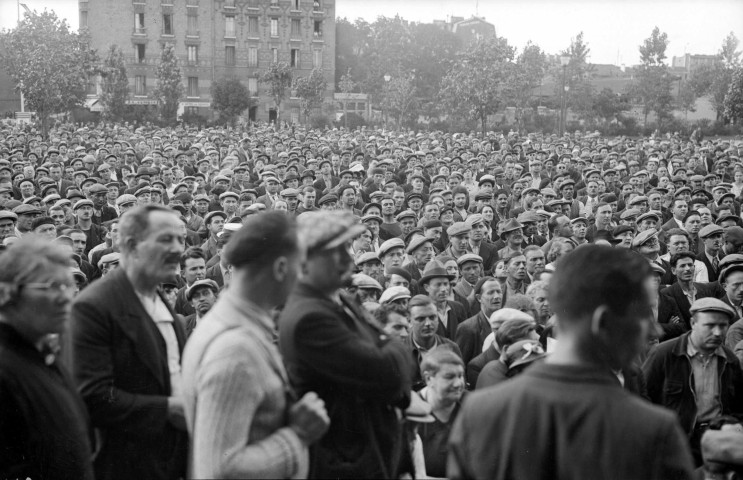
{"points": [[489, 256], [675, 294], [360, 374], [43, 421], [457, 314], [669, 377], [556, 421], [121, 368], [712, 272], [471, 334], [476, 365]]}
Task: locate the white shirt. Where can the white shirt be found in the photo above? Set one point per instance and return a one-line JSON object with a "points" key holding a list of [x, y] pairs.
{"points": [[160, 314]]}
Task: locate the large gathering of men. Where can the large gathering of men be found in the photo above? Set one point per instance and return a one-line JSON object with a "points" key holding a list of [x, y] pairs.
{"points": [[284, 302]]}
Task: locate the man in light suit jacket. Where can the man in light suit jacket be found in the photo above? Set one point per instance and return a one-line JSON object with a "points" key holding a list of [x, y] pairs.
{"points": [[241, 420], [126, 346]]}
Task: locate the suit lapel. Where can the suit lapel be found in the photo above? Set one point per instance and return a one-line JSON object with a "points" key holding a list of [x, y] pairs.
{"points": [[137, 324]]}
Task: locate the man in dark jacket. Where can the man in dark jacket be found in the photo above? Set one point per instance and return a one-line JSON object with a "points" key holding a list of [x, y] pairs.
{"points": [[560, 417], [126, 348], [695, 375], [472, 332], [331, 347]]}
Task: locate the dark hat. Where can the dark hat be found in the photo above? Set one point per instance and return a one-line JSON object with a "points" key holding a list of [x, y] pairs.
{"points": [[416, 242], [331, 197], [433, 270], [216, 213], [37, 222], [510, 226]]}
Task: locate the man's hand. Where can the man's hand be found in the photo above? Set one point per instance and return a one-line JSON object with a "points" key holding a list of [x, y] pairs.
{"points": [[176, 413], [675, 320], [308, 418]]}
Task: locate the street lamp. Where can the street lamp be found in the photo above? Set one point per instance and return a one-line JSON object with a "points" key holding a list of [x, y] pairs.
{"points": [[564, 61], [387, 79], [25, 7]]}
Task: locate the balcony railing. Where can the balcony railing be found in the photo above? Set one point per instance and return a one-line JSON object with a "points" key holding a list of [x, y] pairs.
{"points": [[139, 31]]}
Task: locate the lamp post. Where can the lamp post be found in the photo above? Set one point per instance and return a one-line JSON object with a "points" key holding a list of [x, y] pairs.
{"points": [[564, 61], [25, 7], [387, 79]]}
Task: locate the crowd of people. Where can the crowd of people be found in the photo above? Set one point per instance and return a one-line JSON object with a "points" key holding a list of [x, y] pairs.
{"points": [[291, 303]]}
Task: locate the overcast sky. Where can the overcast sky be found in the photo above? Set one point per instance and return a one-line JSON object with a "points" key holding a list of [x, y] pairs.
{"points": [[613, 29]]}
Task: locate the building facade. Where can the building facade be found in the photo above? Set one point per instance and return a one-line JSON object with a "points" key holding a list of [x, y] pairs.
{"points": [[469, 30], [216, 39]]}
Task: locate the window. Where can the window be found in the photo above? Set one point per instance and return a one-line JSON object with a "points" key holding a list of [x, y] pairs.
{"points": [[193, 87], [253, 26], [274, 27], [297, 4], [275, 55], [317, 59], [193, 54], [296, 27], [140, 51], [229, 56], [192, 25], [274, 3], [83, 18], [140, 85], [253, 86], [139, 23], [167, 24], [252, 56], [361, 106], [295, 57], [229, 3], [316, 5], [317, 32], [192, 111], [229, 26]]}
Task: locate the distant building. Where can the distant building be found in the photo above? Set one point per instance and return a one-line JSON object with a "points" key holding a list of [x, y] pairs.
{"points": [[685, 64], [469, 30], [215, 39]]}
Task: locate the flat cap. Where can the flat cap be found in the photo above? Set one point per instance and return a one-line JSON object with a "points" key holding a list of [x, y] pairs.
{"points": [[469, 257], [366, 257], [643, 237], [709, 230], [711, 304], [125, 199], [331, 197], [458, 228], [646, 215], [208, 283], [406, 214], [388, 245], [325, 230], [82, 203], [27, 209], [394, 293], [364, 281], [416, 242]]}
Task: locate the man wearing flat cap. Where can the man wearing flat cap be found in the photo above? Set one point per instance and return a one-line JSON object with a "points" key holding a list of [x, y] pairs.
{"points": [[330, 347], [711, 237], [695, 374]]}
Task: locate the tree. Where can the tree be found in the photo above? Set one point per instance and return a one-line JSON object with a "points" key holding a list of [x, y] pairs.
{"points": [[278, 77], [687, 99], [607, 105], [479, 82], [346, 86], [714, 79], [578, 74], [399, 97], [230, 98], [653, 88], [115, 85], [734, 98], [310, 91], [169, 90], [531, 66], [49, 63]]}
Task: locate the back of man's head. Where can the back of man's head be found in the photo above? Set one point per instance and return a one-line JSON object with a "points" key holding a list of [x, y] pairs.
{"points": [[262, 239], [595, 276]]}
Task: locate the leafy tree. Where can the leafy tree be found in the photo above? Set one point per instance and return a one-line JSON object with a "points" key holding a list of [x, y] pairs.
{"points": [[50, 63], [479, 82], [531, 67], [169, 90], [714, 79], [607, 105], [351, 48], [230, 98], [346, 86], [278, 77], [653, 88], [115, 85], [687, 99], [734, 98], [578, 74], [310, 91], [400, 97]]}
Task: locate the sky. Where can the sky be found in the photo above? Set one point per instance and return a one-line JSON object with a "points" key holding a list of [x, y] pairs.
{"points": [[612, 29]]}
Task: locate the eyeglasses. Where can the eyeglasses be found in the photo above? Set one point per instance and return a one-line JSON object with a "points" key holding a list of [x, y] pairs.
{"points": [[57, 287]]}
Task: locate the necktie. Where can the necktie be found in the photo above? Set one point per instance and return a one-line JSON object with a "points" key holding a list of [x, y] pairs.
{"points": [[715, 262]]}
